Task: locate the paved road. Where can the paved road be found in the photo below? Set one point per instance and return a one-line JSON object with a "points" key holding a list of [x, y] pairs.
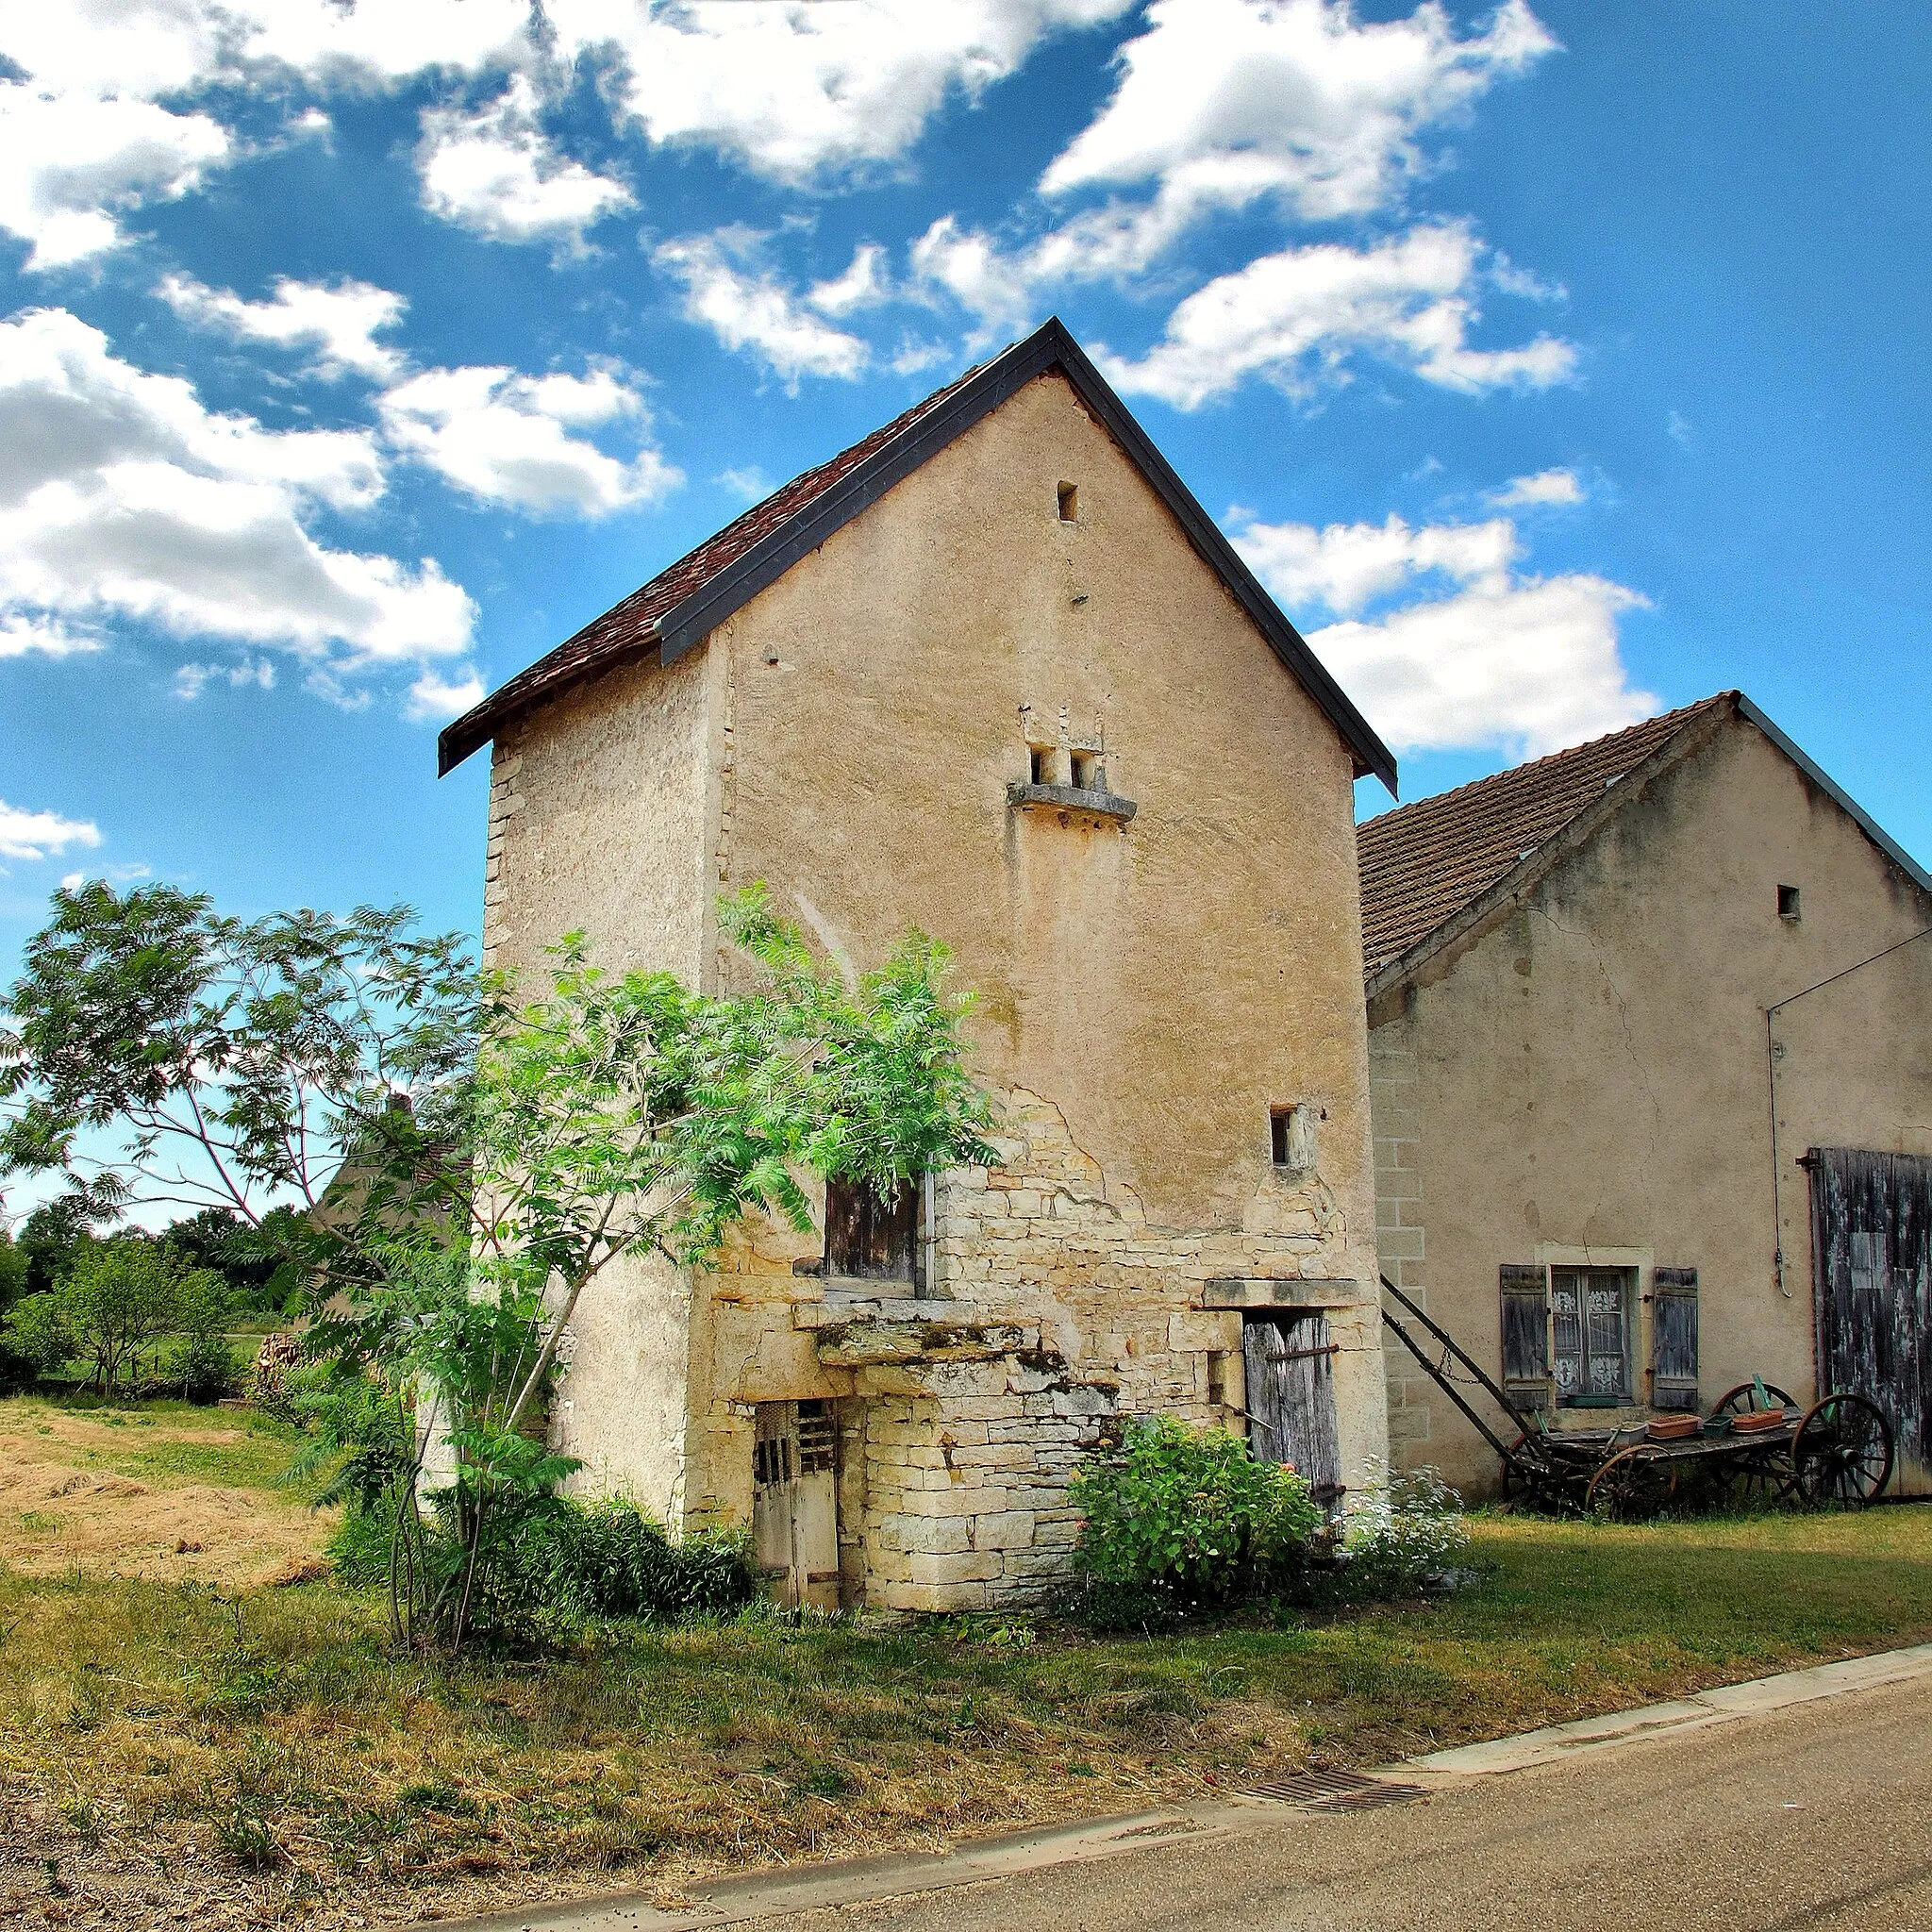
{"points": [[1816, 1817]]}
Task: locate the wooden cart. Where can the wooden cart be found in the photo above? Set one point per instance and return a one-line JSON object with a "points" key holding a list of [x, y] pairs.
{"points": [[1755, 1446]]}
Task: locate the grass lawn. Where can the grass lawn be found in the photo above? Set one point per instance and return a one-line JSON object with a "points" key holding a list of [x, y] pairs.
{"points": [[225, 1754]]}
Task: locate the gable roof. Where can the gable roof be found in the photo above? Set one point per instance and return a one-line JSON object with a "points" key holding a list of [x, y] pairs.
{"points": [[1426, 863], [682, 605]]}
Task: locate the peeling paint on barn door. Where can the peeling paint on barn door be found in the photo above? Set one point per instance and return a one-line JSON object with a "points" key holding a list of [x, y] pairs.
{"points": [[1871, 1276], [794, 1513], [1289, 1362]]}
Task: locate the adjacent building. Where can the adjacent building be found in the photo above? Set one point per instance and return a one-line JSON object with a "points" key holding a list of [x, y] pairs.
{"points": [[994, 672], [1651, 1056]]}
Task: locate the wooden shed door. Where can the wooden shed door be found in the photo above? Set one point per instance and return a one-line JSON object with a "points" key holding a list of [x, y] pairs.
{"points": [[1872, 1283], [795, 1513], [1291, 1370]]}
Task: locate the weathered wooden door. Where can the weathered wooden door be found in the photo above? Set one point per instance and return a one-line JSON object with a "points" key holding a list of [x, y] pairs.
{"points": [[795, 1514], [1290, 1362], [1872, 1283]]}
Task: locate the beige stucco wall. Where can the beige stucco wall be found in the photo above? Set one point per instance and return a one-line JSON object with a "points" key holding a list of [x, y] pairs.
{"points": [[1588, 1073], [601, 812], [1146, 992]]}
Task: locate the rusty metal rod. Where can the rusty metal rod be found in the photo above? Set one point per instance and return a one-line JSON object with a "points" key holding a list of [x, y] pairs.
{"points": [[1449, 1342], [1448, 1388]]}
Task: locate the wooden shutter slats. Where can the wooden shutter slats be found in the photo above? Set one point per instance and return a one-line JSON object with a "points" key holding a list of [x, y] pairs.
{"points": [[1674, 1340], [1526, 1378]]}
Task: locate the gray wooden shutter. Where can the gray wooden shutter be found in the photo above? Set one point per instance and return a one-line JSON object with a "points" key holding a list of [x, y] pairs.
{"points": [[1525, 1335], [1674, 1339]]}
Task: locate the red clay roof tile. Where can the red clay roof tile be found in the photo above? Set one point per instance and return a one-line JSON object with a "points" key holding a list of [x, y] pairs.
{"points": [[1423, 863]]}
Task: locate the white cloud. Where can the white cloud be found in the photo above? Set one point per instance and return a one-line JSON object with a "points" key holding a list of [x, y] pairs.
{"points": [[1505, 659], [339, 322], [23, 636], [1224, 101], [85, 140], [120, 492], [796, 93], [503, 437], [495, 172], [862, 285], [39, 834], [749, 482], [1346, 567], [971, 266], [191, 680], [1545, 486], [754, 310], [434, 700], [1302, 314], [72, 164], [793, 93]]}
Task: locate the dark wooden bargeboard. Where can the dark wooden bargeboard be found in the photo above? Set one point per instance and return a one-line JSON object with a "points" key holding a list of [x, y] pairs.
{"points": [[1872, 1275]]}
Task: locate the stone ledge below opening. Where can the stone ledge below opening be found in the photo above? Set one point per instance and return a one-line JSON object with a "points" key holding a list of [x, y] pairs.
{"points": [[1248, 1293]]}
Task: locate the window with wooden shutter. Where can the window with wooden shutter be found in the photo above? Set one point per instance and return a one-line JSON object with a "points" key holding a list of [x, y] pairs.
{"points": [[872, 1234], [1525, 1335], [1674, 1339], [1589, 1336]]}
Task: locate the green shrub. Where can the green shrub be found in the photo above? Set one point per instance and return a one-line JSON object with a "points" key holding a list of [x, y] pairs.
{"points": [[1181, 1522], [359, 1549], [565, 1560], [203, 1367], [1406, 1529], [40, 1333]]}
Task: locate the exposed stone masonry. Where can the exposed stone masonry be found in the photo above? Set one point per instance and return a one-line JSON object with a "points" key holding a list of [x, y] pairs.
{"points": [[1399, 1236], [1056, 1310]]}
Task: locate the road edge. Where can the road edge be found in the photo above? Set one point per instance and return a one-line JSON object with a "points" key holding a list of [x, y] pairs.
{"points": [[814, 1888]]}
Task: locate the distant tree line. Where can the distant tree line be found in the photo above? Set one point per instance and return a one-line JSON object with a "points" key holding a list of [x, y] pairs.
{"points": [[78, 1305]]}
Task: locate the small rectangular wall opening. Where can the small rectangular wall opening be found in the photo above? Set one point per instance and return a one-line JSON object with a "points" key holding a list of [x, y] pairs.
{"points": [[1036, 760], [1291, 1137], [1788, 903], [1086, 771], [1070, 503]]}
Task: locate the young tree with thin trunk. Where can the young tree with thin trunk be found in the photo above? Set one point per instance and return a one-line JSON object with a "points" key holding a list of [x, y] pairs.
{"points": [[471, 1165]]}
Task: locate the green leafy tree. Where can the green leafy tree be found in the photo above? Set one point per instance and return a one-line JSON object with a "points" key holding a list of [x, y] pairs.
{"points": [[15, 1366], [467, 1164], [202, 1362], [119, 1296], [36, 1334], [157, 1051], [48, 1239]]}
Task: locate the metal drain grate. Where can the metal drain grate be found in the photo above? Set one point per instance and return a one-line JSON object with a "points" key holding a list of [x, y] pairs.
{"points": [[1334, 1791]]}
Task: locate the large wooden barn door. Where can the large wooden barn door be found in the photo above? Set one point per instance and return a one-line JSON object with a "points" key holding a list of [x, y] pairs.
{"points": [[1291, 1372], [1872, 1277]]}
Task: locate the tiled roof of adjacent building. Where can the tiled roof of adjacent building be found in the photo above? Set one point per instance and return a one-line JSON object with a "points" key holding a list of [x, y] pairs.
{"points": [[682, 604], [1421, 864]]}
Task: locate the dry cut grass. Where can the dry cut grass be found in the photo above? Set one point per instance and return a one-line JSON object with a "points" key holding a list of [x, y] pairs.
{"points": [[176, 1751], [163, 1491]]}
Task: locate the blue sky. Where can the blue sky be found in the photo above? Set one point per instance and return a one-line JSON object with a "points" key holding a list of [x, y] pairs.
{"points": [[1554, 365]]}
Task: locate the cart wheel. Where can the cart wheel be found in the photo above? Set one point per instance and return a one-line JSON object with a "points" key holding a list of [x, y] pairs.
{"points": [[1742, 1399], [1632, 1487], [1842, 1452], [1758, 1481]]}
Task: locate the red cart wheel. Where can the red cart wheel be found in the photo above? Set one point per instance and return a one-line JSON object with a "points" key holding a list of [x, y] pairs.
{"points": [[1842, 1452]]}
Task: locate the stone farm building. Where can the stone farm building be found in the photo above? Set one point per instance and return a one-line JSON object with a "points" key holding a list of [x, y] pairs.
{"points": [[1651, 1054], [994, 672]]}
